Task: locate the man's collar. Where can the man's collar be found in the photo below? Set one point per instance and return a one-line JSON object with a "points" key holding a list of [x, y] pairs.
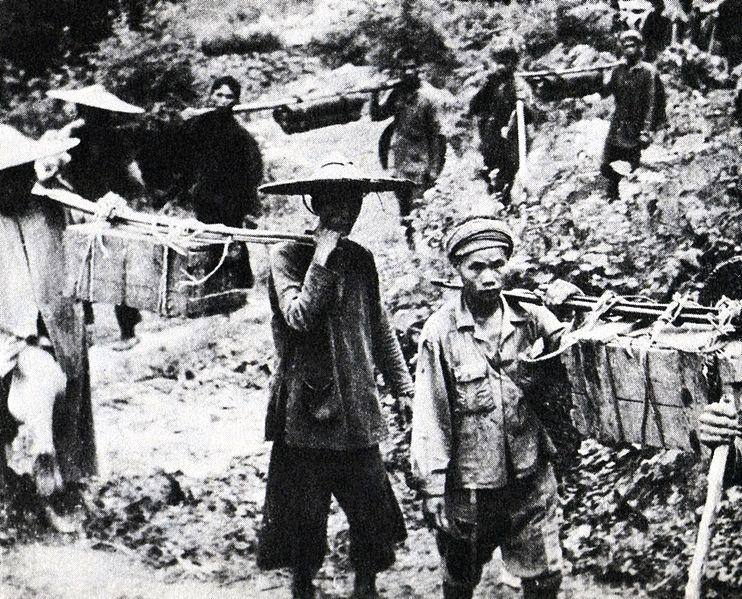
{"points": [[510, 317]]}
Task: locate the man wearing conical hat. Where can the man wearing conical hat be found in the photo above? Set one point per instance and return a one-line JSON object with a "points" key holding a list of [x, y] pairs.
{"points": [[43, 353], [479, 450], [103, 162], [331, 333]]}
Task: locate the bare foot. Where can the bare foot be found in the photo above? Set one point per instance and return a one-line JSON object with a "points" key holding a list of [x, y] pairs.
{"points": [[125, 344], [46, 475]]}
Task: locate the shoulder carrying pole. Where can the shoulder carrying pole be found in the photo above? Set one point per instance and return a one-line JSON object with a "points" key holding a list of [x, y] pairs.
{"points": [[163, 224], [291, 100]]}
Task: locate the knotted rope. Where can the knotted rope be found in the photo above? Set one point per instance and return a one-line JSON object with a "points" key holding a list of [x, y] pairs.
{"points": [[181, 238]]}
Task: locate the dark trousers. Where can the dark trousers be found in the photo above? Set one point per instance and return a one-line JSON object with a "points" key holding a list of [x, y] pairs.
{"points": [[613, 153], [128, 318], [521, 518], [297, 504]]}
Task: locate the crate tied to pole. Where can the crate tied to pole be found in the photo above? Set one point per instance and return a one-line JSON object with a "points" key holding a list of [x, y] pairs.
{"points": [[172, 274]]}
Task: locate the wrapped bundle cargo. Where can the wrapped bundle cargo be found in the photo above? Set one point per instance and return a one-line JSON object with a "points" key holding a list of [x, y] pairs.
{"points": [[315, 114], [628, 389], [169, 276]]}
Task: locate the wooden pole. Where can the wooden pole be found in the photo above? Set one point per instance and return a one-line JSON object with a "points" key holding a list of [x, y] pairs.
{"points": [[715, 479], [291, 100], [163, 224], [694, 314], [522, 149], [572, 71], [731, 393]]}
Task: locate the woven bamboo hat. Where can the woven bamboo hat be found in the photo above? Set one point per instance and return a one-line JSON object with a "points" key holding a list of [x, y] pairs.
{"points": [[17, 149], [336, 173], [96, 96]]}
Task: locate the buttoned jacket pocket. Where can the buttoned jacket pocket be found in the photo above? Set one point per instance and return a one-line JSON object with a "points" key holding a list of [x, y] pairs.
{"points": [[473, 388]]}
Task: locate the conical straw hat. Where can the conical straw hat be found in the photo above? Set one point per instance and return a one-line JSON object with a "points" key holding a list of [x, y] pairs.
{"points": [[96, 96], [17, 149], [336, 173]]}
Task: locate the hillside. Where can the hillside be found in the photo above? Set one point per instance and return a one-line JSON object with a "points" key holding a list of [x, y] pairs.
{"points": [[677, 217]]}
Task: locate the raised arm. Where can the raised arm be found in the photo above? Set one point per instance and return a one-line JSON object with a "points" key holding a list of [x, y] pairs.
{"points": [[303, 296], [380, 111]]}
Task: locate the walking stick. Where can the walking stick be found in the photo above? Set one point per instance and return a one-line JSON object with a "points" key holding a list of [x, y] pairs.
{"points": [[715, 488], [731, 392], [522, 149]]}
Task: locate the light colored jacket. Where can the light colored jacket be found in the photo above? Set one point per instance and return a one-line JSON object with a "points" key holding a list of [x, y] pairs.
{"points": [[472, 423], [31, 282]]}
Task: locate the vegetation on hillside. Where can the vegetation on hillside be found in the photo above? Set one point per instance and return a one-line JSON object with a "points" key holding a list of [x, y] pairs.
{"points": [[677, 217]]}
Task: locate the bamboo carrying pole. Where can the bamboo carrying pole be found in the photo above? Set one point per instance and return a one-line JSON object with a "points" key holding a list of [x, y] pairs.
{"points": [[291, 100], [694, 314], [572, 71], [212, 233]]}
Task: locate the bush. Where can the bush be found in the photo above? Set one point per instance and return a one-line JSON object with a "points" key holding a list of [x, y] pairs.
{"points": [[586, 23], [383, 34], [254, 38], [36, 35], [151, 67]]}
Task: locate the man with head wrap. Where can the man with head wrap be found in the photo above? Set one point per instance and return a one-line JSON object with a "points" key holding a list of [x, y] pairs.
{"points": [[478, 448]]}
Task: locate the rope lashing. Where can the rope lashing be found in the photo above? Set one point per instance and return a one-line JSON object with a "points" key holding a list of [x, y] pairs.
{"points": [[668, 316], [193, 281]]}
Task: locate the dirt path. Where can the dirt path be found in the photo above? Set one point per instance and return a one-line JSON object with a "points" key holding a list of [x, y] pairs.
{"points": [[191, 399], [176, 403]]}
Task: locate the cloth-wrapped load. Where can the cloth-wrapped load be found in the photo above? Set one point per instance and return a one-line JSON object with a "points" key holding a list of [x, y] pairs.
{"points": [[305, 116], [174, 275]]}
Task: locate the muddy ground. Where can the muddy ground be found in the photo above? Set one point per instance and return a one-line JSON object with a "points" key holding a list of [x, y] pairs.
{"points": [[179, 422]]}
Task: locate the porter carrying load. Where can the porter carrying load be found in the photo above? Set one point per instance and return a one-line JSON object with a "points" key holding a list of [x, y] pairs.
{"points": [[297, 114], [642, 372]]}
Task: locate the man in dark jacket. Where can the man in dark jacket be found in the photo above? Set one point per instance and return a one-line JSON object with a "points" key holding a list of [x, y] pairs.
{"points": [[331, 332], [495, 107], [223, 167], [103, 162], [639, 105], [634, 86]]}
